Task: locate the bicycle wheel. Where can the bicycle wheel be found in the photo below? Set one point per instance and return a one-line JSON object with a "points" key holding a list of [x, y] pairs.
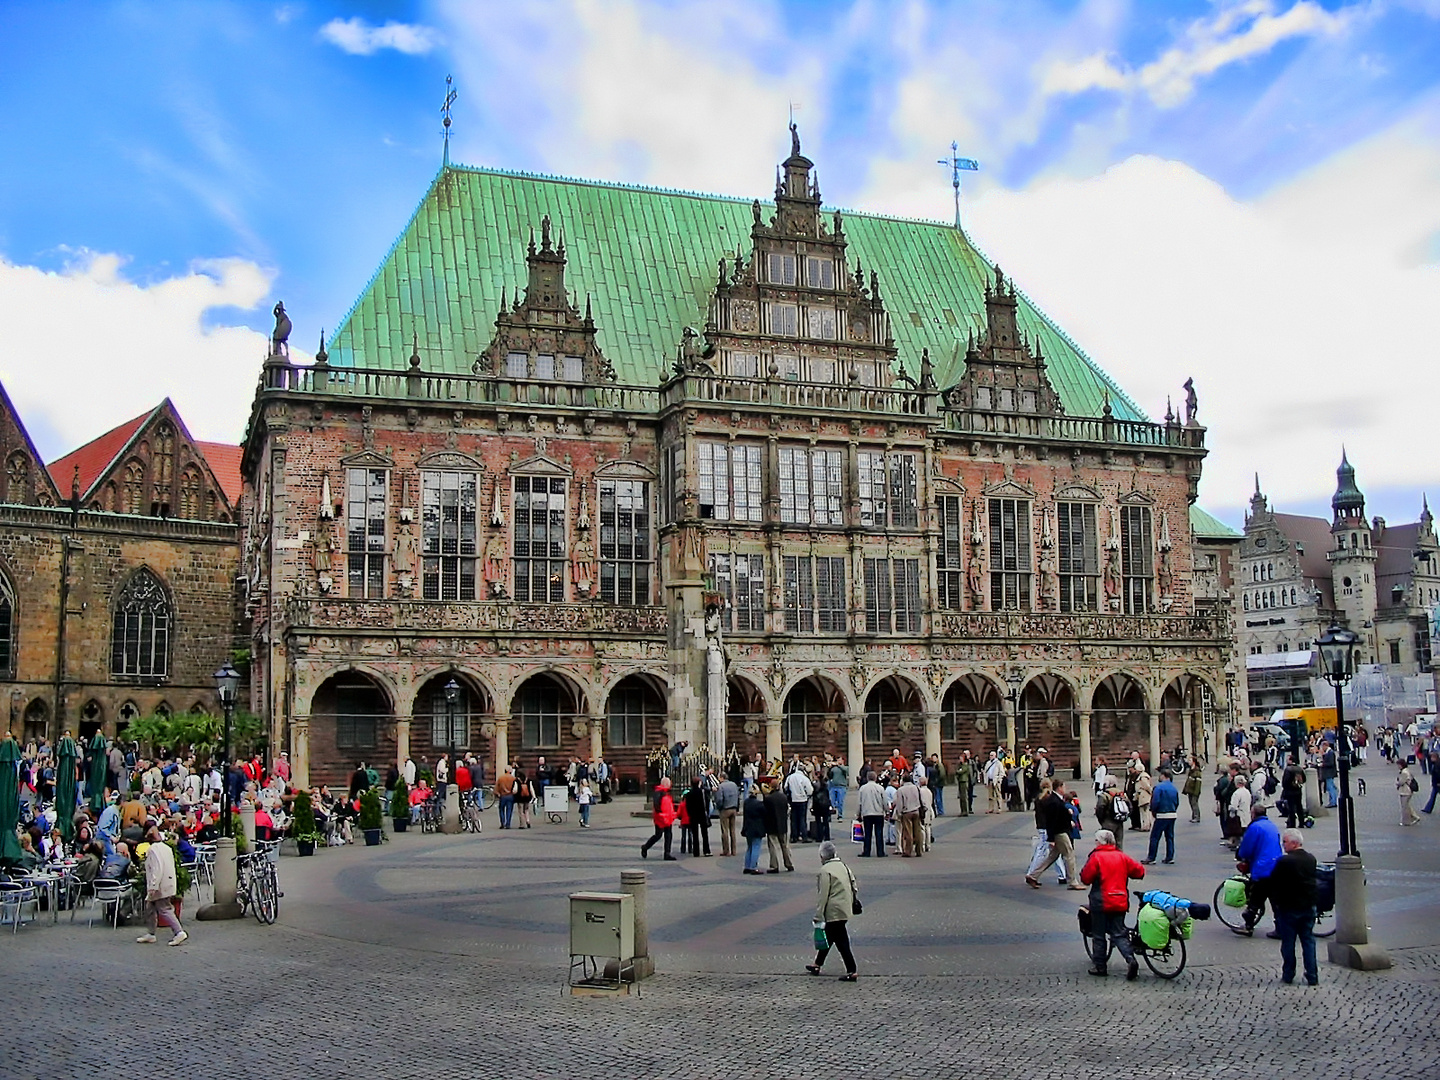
{"points": [[1325, 924], [1232, 917], [1166, 962], [265, 900]]}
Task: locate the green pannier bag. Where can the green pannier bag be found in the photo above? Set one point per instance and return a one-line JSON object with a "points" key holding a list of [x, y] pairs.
{"points": [[1187, 927], [1234, 893], [1154, 926]]}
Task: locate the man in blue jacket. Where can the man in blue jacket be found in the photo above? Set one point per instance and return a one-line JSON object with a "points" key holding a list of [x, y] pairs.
{"points": [[1165, 805], [1259, 851]]}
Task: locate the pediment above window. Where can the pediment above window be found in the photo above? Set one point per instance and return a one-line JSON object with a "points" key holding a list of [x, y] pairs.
{"points": [[1008, 489], [542, 466], [368, 459], [1078, 492], [450, 460], [624, 470], [1136, 498]]}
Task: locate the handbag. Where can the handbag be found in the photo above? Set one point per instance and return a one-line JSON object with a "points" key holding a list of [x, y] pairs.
{"points": [[821, 941], [856, 908]]}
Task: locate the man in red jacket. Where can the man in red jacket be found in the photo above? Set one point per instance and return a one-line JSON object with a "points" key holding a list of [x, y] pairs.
{"points": [[1108, 872]]}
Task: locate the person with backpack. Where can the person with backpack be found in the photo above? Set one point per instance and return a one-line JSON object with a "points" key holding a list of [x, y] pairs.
{"points": [[1112, 811]]}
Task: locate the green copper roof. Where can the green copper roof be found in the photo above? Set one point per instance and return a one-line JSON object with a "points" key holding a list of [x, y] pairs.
{"points": [[1203, 525], [647, 259]]}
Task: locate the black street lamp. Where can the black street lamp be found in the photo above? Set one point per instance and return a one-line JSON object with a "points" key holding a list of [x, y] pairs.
{"points": [[452, 698], [1337, 660], [1351, 946], [227, 686]]}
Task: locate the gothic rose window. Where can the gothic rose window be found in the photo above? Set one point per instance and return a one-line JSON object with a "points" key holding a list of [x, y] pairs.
{"points": [[140, 639]]}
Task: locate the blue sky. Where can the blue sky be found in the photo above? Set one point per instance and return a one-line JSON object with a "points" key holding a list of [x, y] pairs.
{"points": [[1246, 192]]}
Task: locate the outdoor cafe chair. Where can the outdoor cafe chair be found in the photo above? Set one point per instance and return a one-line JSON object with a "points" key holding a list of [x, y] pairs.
{"points": [[109, 900], [15, 896]]}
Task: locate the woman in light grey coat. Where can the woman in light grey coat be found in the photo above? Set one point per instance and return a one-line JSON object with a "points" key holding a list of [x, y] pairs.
{"points": [[836, 887]]}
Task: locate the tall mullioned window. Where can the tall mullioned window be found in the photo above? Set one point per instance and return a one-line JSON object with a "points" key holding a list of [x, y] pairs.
{"points": [[140, 635], [892, 596], [1010, 558], [888, 490], [814, 594], [365, 501], [1079, 557], [812, 486], [448, 525], [950, 553], [625, 542], [730, 481], [7, 628], [1137, 560], [539, 539], [740, 578]]}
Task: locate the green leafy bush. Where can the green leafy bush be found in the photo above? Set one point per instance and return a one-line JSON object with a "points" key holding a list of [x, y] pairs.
{"points": [[400, 802], [370, 816], [302, 825]]}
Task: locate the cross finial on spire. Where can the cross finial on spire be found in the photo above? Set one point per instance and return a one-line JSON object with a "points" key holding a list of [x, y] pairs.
{"points": [[958, 165], [450, 95]]}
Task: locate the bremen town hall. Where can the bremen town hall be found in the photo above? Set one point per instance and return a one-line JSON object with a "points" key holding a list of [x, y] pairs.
{"points": [[630, 467]]}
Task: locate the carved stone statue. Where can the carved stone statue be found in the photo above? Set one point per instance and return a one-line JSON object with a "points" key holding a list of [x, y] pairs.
{"points": [[716, 695], [1166, 579], [327, 545], [794, 140], [1112, 578], [407, 550], [495, 566], [280, 338], [1192, 402], [582, 567], [973, 580]]}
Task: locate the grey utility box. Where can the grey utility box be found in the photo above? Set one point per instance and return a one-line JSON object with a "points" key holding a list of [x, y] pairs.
{"points": [[603, 924]]}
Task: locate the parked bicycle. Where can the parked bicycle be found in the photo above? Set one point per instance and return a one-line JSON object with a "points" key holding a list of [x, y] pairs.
{"points": [[428, 814], [1166, 961], [257, 885], [470, 811], [1232, 898]]}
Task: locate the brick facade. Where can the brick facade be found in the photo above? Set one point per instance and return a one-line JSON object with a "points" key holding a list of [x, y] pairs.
{"points": [[891, 562]]}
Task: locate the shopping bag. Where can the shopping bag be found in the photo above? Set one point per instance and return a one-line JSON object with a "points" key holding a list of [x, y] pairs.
{"points": [[857, 833], [821, 941]]}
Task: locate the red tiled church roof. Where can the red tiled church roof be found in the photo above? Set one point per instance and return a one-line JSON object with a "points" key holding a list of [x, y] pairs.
{"points": [[224, 462], [95, 456]]}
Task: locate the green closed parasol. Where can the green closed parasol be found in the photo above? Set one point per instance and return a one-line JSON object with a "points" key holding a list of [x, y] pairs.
{"points": [[67, 754], [9, 799], [97, 770]]}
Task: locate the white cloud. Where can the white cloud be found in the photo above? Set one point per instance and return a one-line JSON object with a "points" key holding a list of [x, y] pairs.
{"points": [[1304, 316], [1234, 33], [86, 348], [358, 37]]}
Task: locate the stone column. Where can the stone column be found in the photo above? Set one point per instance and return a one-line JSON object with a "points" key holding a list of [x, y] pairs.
{"points": [[636, 883], [855, 745], [402, 743], [223, 905], [773, 749], [502, 745], [300, 753], [932, 734], [1011, 722], [1154, 741], [1087, 762], [597, 737]]}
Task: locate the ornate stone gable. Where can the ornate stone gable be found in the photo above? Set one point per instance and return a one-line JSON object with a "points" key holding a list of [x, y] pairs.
{"points": [[541, 335], [160, 471], [1004, 371], [792, 308], [24, 481]]}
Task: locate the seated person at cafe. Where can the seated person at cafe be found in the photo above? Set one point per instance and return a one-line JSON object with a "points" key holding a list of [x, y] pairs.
{"points": [[420, 792], [92, 856], [117, 865]]}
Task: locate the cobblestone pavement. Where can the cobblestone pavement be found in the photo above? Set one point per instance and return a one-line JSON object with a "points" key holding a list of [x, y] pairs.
{"points": [[448, 955]]}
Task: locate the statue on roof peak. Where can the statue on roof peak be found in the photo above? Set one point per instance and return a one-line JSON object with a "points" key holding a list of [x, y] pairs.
{"points": [[794, 140], [280, 338]]}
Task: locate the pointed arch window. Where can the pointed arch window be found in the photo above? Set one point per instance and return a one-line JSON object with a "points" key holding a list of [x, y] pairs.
{"points": [[134, 490], [190, 496], [140, 638], [17, 478], [8, 623]]}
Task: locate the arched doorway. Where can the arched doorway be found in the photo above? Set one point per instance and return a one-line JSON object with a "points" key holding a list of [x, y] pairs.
{"points": [[894, 719], [1047, 712], [812, 720], [1186, 709], [634, 723], [745, 718], [435, 726], [548, 709], [37, 721], [972, 717], [351, 721], [1117, 715]]}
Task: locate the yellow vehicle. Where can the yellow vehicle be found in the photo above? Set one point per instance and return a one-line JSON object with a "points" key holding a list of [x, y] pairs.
{"points": [[1282, 722]]}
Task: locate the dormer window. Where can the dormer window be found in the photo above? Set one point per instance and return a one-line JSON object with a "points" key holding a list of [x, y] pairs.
{"points": [[781, 270], [819, 273]]}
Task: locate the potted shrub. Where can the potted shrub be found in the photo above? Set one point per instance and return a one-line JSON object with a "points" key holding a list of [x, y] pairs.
{"points": [[400, 806], [370, 818], [302, 826]]}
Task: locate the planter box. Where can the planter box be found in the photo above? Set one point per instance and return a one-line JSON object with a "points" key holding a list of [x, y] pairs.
{"points": [[305, 847], [372, 837], [401, 824]]}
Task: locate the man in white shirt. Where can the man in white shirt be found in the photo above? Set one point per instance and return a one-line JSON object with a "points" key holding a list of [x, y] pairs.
{"points": [[408, 772], [907, 809], [871, 797], [798, 789], [927, 813]]}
